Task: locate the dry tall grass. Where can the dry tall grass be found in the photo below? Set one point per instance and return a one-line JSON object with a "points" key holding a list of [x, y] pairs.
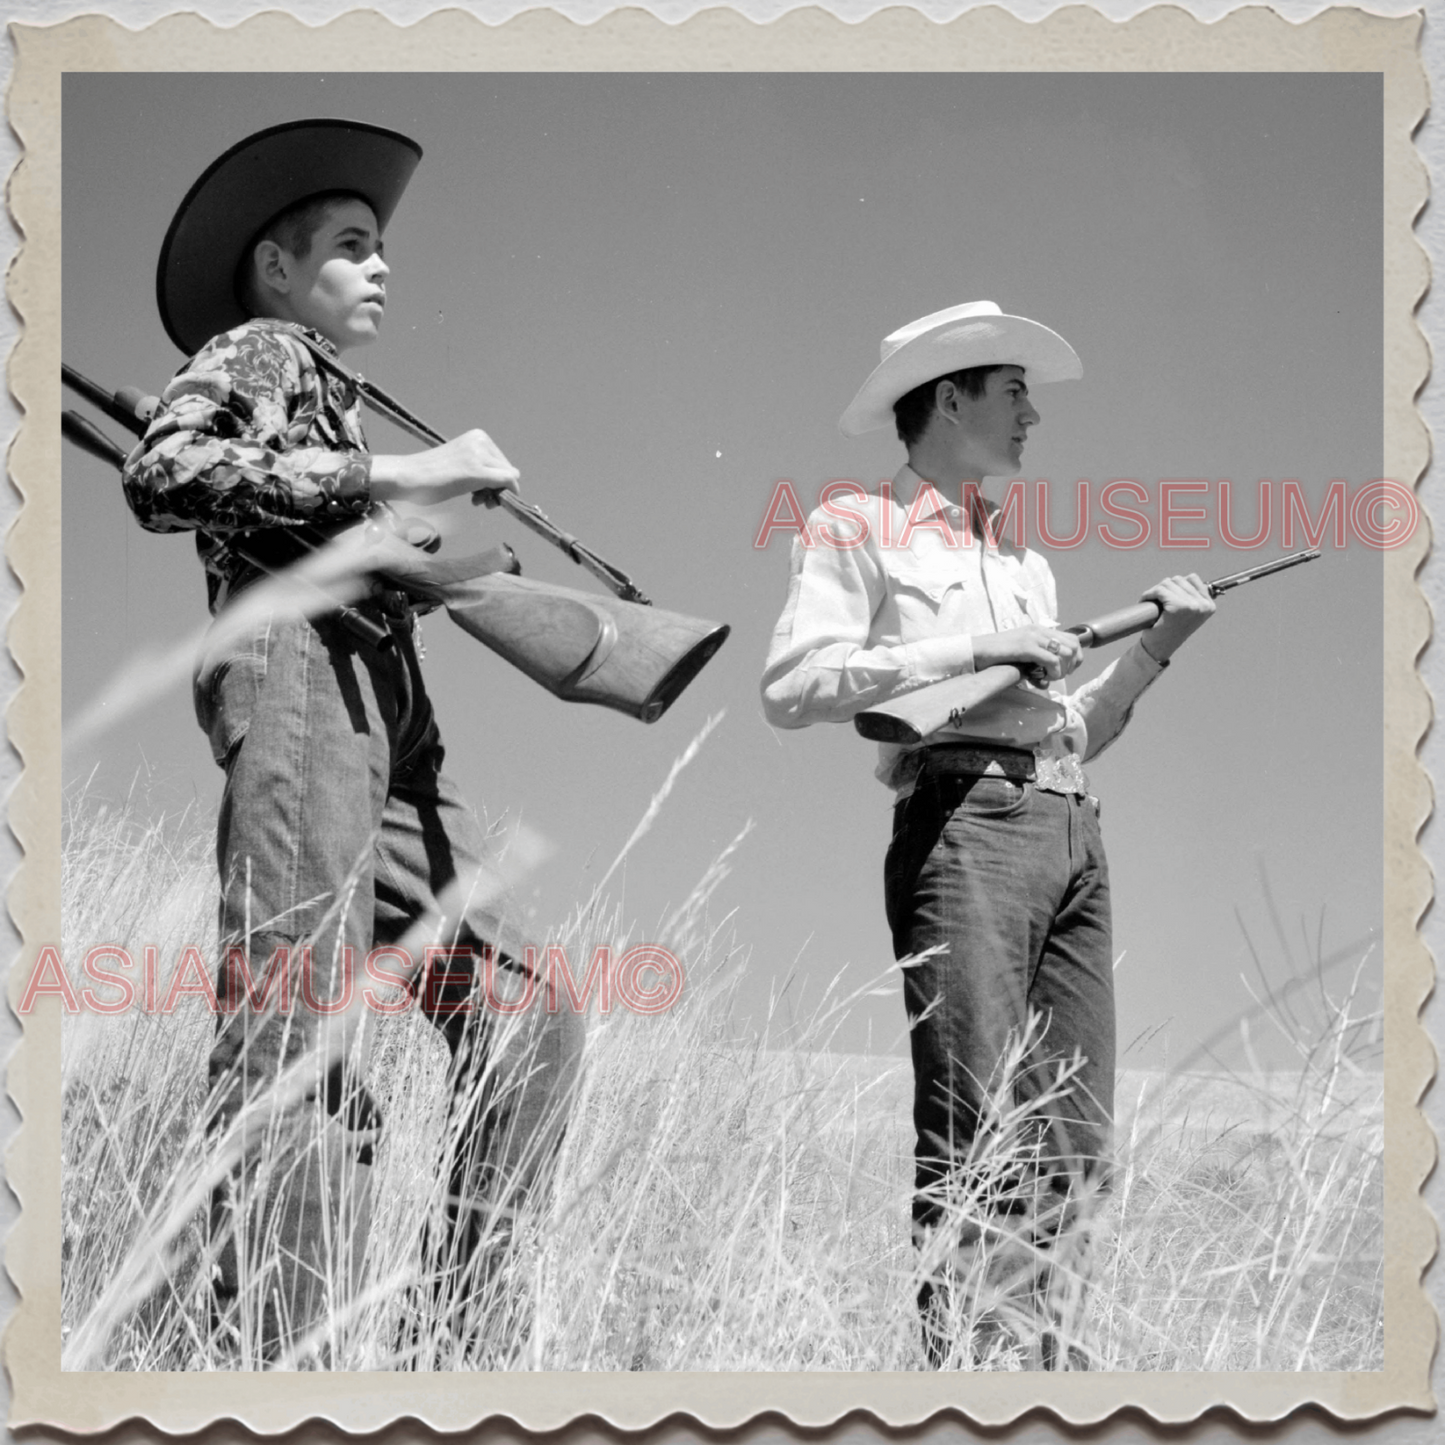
{"points": [[726, 1198]]}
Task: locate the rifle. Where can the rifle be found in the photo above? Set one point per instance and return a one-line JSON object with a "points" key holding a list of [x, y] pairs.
{"points": [[620, 652], [914, 716]]}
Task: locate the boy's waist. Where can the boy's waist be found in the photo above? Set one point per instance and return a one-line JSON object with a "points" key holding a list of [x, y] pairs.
{"points": [[1052, 769], [256, 554], [978, 760], [275, 548]]}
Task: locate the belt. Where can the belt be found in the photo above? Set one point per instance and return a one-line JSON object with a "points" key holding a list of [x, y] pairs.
{"points": [[980, 760], [275, 548], [975, 760]]}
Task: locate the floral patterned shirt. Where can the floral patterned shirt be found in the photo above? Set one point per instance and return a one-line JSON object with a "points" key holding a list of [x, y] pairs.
{"points": [[249, 435]]}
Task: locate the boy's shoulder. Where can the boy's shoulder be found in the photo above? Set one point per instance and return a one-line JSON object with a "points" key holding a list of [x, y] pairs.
{"points": [[258, 334], [262, 349]]}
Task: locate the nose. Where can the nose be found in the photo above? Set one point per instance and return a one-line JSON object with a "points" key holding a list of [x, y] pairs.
{"points": [[1028, 416], [376, 265]]}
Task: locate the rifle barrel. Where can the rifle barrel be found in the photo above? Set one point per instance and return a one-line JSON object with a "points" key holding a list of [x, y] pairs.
{"points": [[106, 401], [89, 438], [1238, 579], [528, 515]]}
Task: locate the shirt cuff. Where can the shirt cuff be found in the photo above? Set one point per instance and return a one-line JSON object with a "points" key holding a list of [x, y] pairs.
{"points": [[935, 658], [1142, 662]]}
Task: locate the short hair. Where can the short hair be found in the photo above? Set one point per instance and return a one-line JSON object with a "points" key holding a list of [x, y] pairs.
{"points": [[292, 230], [914, 409]]}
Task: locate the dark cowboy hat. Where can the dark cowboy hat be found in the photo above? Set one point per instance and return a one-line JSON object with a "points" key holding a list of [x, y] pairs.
{"points": [[254, 181]]}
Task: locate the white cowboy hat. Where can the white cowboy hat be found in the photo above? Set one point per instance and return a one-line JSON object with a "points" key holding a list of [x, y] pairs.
{"points": [[974, 334]]}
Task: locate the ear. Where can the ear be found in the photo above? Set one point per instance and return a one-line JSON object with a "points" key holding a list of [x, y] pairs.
{"points": [[946, 399], [272, 266]]}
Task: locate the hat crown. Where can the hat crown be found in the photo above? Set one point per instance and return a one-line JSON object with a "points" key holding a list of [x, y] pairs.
{"points": [[957, 338], [915, 329]]}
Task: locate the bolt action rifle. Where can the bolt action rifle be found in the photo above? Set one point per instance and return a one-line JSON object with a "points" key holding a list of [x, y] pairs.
{"points": [[618, 652]]}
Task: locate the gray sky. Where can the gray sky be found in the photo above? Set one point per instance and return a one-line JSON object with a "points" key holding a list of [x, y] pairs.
{"points": [[658, 293]]}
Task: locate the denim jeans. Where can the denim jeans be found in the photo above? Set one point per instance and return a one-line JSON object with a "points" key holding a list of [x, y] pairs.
{"points": [[339, 829], [1009, 883]]}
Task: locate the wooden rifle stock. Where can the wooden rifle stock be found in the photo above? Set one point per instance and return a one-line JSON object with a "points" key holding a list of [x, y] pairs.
{"points": [[917, 715], [585, 646]]}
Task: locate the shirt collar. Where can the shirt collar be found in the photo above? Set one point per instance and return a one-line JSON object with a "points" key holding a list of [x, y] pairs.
{"points": [[275, 323], [906, 486]]}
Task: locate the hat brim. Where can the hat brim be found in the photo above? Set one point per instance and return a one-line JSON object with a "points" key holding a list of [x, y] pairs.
{"points": [[255, 180], [1044, 356]]}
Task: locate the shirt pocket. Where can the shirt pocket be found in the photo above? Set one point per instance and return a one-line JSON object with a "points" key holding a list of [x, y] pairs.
{"points": [[929, 578]]}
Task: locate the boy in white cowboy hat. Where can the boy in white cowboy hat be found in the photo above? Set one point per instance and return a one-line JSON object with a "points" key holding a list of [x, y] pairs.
{"points": [[996, 863], [339, 829]]}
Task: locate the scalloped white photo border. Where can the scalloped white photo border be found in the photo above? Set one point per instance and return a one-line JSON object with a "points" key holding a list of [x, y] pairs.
{"points": [[990, 39]]}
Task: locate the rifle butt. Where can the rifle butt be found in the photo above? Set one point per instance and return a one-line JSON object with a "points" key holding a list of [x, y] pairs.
{"points": [[914, 716], [587, 647]]}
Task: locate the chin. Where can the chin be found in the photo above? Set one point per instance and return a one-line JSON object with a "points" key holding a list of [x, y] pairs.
{"points": [[355, 336]]}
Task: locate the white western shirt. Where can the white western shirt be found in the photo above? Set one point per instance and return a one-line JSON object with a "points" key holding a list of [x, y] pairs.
{"points": [[900, 609]]}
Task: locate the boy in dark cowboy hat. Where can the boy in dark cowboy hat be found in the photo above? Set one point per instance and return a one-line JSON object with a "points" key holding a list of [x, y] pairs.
{"points": [[996, 870], [339, 830]]}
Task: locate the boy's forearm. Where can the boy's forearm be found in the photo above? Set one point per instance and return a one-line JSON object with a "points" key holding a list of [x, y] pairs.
{"points": [[414, 478], [1166, 637], [397, 478], [469, 463]]}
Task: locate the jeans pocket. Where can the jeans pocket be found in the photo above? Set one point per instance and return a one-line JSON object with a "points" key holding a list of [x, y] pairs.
{"points": [[987, 796], [227, 683]]}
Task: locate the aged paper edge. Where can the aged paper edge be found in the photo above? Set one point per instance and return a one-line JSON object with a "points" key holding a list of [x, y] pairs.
{"points": [[1075, 39]]}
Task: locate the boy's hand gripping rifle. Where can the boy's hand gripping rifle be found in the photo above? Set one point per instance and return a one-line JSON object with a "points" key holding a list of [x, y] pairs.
{"points": [[914, 716], [621, 653]]}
